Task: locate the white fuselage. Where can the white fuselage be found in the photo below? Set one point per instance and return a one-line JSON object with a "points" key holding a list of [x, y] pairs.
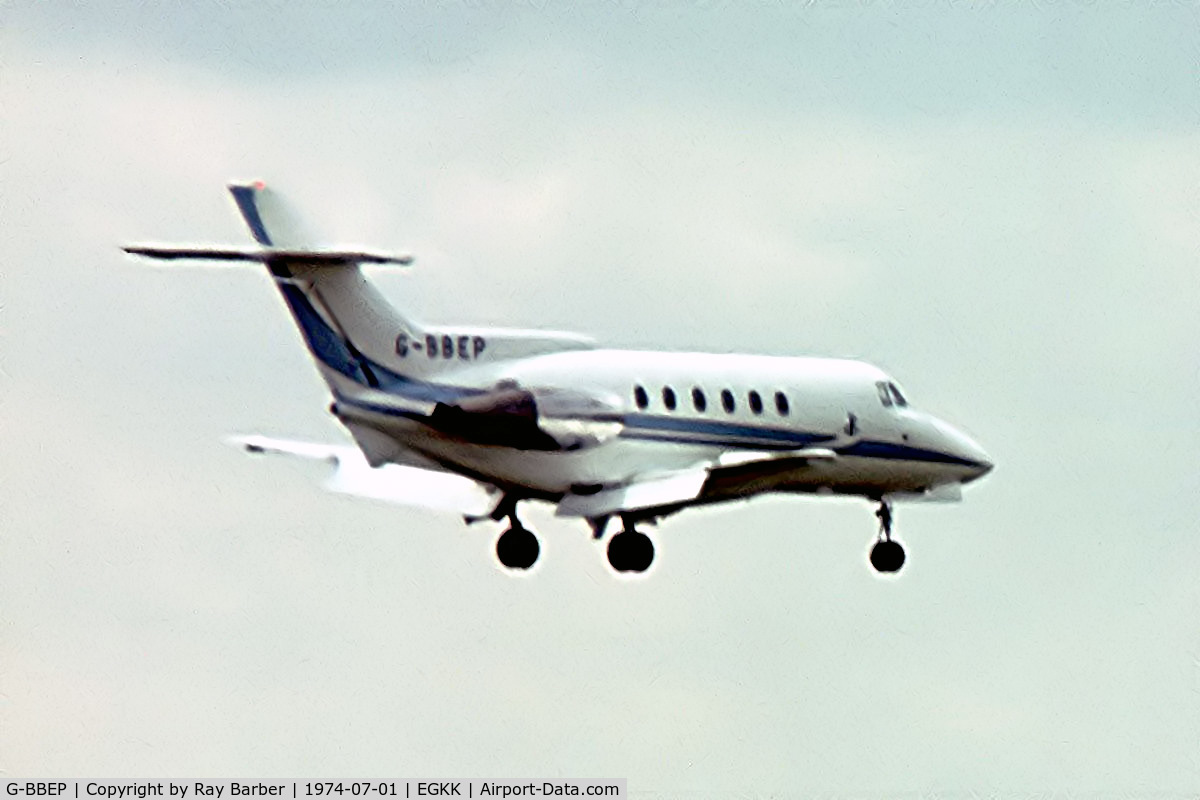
{"points": [[721, 404]]}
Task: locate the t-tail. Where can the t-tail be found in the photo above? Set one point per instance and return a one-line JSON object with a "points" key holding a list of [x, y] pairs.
{"points": [[351, 331], [370, 354]]}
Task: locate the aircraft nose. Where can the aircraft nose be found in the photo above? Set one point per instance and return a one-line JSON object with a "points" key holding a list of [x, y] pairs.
{"points": [[975, 459], [985, 466], [969, 450]]}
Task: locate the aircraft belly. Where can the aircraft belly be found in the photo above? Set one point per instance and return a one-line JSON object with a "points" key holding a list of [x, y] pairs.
{"points": [[845, 475], [896, 475]]}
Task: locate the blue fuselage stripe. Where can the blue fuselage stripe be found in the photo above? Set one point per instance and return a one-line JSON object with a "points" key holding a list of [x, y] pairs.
{"points": [[902, 452], [328, 347], [244, 197], [720, 429]]}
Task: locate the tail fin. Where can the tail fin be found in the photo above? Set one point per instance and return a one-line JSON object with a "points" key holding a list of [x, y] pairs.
{"points": [[273, 221], [349, 328], [356, 337]]}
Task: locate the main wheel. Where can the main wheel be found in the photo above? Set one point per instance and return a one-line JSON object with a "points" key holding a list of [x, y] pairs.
{"points": [[517, 548], [887, 556], [630, 551]]}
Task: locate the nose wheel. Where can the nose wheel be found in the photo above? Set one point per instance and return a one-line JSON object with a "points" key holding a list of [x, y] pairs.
{"points": [[887, 555]]}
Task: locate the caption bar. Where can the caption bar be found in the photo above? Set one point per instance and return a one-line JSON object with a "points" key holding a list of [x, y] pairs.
{"points": [[332, 790]]}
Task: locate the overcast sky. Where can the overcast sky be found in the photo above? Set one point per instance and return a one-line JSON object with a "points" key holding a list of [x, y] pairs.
{"points": [[999, 206]]}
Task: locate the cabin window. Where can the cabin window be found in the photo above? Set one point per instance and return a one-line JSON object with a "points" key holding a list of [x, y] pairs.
{"points": [[781, 404], [755, 402], [727, 400], [885, 396], [899, 398], [669, 398], [640, 397], [698, 399]]}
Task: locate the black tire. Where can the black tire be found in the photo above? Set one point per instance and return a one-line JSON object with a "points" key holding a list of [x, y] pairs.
{"points": [[887, 557], [630, 551], [618, 553], [517, 548]]}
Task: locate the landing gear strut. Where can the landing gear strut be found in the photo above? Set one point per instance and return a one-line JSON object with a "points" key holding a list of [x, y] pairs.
{"points": [[630, 550], [517, 547], [887, 556]]}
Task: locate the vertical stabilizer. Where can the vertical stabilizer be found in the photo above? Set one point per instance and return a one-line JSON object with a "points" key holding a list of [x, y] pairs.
{"points": [[273, 221], [349, 328], [357, 338]]}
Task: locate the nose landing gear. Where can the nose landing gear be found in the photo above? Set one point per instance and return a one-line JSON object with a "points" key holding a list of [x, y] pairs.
{"points": [[887, 556]]}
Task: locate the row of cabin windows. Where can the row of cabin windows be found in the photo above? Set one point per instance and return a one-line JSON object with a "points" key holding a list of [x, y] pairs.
{"points": [[700, 402]]}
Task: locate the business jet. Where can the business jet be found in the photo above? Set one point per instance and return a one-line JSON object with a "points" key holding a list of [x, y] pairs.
{"points": [[479, 420]]}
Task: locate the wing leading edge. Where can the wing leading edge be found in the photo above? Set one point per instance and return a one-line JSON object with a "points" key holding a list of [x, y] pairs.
{"points": [[680, 486]]}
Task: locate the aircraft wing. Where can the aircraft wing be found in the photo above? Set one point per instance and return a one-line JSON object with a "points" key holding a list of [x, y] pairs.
{"points": [[391, 483], [679, 486]]}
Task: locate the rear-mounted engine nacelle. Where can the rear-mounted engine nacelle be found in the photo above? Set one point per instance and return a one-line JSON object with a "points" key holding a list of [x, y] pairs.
{"points": [[531, 419]]}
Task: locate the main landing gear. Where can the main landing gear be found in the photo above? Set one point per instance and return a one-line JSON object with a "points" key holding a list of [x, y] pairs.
{"points": [[517, 548], [887, 556], [630, 550]]}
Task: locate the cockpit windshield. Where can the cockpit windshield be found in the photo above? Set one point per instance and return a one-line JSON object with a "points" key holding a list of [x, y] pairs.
{"points": [[890, 395], [885, 396]]}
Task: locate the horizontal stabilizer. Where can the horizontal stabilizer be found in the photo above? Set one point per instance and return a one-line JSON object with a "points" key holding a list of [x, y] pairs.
{"points": [[649, 492], [316, 258], [391, 483], [316, 452]]}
